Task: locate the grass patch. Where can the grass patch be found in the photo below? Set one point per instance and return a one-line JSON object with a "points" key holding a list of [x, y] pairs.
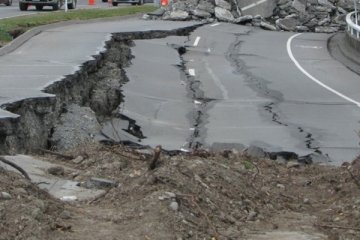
{"points": [[11, 27]]}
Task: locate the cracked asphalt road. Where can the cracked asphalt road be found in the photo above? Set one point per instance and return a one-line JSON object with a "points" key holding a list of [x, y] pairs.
{"points": [[234, 86], [239, 86]]}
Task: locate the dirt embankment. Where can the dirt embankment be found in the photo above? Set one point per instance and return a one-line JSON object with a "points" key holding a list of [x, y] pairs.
{"points": [[196, 196]]}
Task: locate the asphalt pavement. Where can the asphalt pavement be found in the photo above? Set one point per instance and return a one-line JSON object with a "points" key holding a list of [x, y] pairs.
{"points": [[281, 91], [234, 86]]}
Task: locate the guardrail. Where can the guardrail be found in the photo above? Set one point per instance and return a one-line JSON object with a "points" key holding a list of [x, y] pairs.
{"points": [[352, 25]]}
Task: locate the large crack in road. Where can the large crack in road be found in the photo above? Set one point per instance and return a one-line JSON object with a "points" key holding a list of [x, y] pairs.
{"points": [[142, 91], [95, 89], [261, 86]]}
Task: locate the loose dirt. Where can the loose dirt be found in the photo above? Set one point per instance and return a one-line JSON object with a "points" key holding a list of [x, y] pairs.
{"points": [[200, 195]]}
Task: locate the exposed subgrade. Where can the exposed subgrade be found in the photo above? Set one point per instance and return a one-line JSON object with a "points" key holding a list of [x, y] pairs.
{"points": [[96, 86], [270, 110]]}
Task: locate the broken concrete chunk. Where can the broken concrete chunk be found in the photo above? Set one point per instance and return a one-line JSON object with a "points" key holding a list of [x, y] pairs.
{"points": [[326, 29], [100, 183], [302, 28], [243, 19], [201, 13], [267, 26], [206, 6], [179, 15], [223, 4], [288, 24], [299, 5], [223, 15], [254, 151]]}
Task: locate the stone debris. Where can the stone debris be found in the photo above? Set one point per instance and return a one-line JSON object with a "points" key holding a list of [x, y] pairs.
{"points": [[174, 206], [5, 196], [100, 183], [323, 16], [56, 171]]}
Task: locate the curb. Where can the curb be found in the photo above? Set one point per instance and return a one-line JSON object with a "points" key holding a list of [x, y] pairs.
{"points": [[340, 49], [23, 38]]}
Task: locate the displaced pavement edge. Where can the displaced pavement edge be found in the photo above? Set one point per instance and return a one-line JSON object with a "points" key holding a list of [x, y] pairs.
{"points": [[17, 42]]}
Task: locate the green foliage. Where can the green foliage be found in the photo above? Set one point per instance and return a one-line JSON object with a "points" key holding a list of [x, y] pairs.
{"points": [[8, 25], [248, 165], [5, 36]]}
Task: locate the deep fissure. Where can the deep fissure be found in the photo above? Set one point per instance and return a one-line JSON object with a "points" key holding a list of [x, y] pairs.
{"points": [[89, 87]]}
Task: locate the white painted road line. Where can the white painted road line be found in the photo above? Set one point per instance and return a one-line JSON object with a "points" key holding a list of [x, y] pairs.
{"points": [[217, 82], [253, 5], [297, 64], [192, 72], [197, 40], [215, 24]]}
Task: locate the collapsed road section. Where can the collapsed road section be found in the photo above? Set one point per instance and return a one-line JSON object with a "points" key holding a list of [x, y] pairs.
{"points": [[46, 78], [185, 87]]}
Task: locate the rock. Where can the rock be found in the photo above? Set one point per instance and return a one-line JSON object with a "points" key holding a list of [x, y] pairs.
{"points": [[68, 198], [243, 19], [279, 185], [78, 126], [267, 26], [258, 17], [324, 21], [179, 5], [167, 195], [65, 215], [78, 159], [323, 9], [288, 24], [158, 12], [223, 15], [285, 6], [254, 151], [251, 216], [326, 29], [306, 201], [170, 194], [347, 5], [206, 6], [56, 171], [299, 5], [201, 13], [146, 16], [174, 206], [100, 183], [302, 29], [312, 23], [5, 196], [223, 4], [294, 15], [179, 15], [341, 10], [293, 164]]}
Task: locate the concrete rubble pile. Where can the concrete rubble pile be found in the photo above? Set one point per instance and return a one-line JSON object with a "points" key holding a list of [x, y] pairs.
{"points": [[325, 16]]}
